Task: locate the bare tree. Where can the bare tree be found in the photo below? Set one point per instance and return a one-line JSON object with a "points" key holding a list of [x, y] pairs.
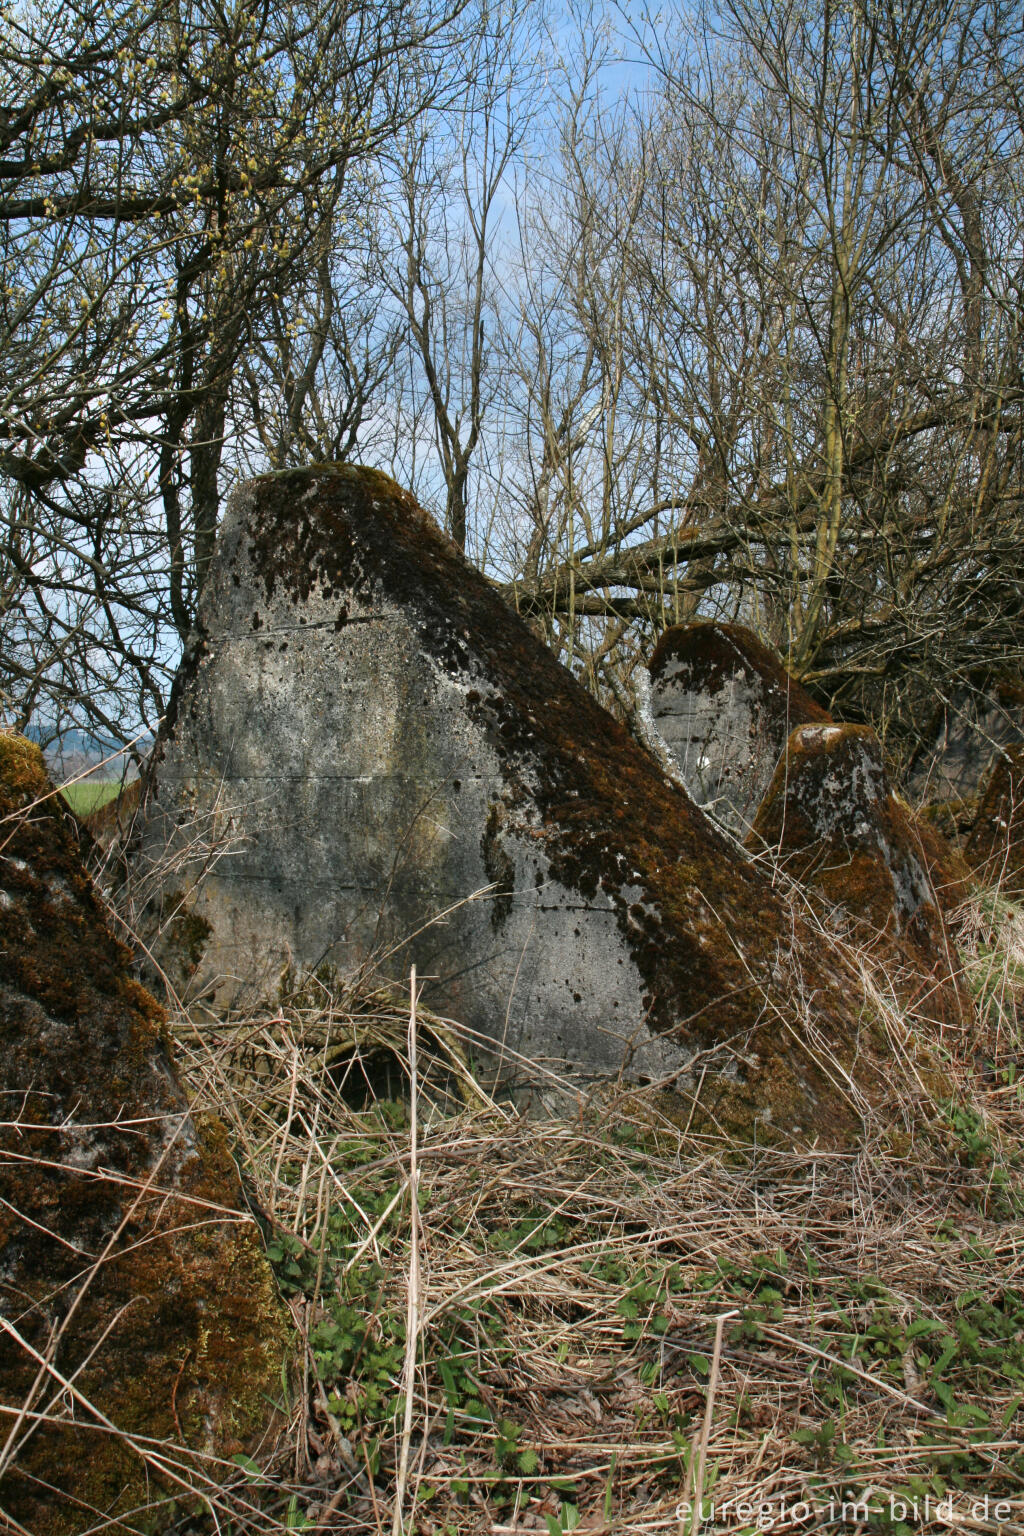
{"points": [[174, 181], [443, 252], [583, 448], [745, 342], [817, 234]]}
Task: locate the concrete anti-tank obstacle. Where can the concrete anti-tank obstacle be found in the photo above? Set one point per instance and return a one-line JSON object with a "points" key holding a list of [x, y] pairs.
{"points": [[726, 708], [127, 1258], [401, 770], [724, 705], [995, 848], [832, 818], [970, 732]]}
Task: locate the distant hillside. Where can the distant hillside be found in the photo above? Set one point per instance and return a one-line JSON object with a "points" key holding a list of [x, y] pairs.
{"points": [[74, 753]]}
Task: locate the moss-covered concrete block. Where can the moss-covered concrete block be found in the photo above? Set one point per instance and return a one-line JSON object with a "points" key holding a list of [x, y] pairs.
{"points": [[398, 771], [724, 705], [995, 848], [830, 815], [971, 729], [127, 1260]]}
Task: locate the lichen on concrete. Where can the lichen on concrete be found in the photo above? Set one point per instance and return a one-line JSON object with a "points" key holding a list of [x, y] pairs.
{"points": [[415, 778], [124, 1245], [971, 728], [724, 706], [831, 817]]}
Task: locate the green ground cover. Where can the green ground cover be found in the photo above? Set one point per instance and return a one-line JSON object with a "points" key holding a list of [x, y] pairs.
{"points": [[88, 795]]}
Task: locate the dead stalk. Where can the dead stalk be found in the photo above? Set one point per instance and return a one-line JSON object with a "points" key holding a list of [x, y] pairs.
{"points": [[701, 1447], [413, 1300]]}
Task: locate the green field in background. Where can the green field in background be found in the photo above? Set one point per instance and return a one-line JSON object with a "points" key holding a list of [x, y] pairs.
{"points": [[90, 794]]}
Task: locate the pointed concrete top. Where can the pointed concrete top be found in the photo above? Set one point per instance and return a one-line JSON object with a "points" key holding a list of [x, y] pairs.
{"points": [[402, 772]]}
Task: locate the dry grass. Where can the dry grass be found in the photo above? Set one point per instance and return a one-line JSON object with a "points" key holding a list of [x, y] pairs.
{"points": [[602, 1317], [572, 1275]]}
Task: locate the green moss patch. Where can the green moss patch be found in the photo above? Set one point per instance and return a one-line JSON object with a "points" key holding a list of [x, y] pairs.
{"points": [[715, 948], [126, 1253]]}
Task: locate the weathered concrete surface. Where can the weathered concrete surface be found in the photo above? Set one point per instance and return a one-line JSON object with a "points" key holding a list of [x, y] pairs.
{"points": [[832, 819], [724, 705], [386, 741], [122, 1249], [969, 734], [995, 848]]}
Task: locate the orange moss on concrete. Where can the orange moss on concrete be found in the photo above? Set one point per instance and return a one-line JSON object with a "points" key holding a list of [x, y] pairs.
{"points": [[709, 936], [723, 705], [125, 1249], [831, 817], [713, 653], [949, 871]]}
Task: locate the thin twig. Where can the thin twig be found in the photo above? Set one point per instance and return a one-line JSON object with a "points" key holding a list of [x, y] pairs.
{"points": [[413, 1305]]}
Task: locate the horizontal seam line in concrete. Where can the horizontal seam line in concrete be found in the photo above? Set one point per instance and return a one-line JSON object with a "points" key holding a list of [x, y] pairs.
{"points": [[331, 778], [266, 632]]}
